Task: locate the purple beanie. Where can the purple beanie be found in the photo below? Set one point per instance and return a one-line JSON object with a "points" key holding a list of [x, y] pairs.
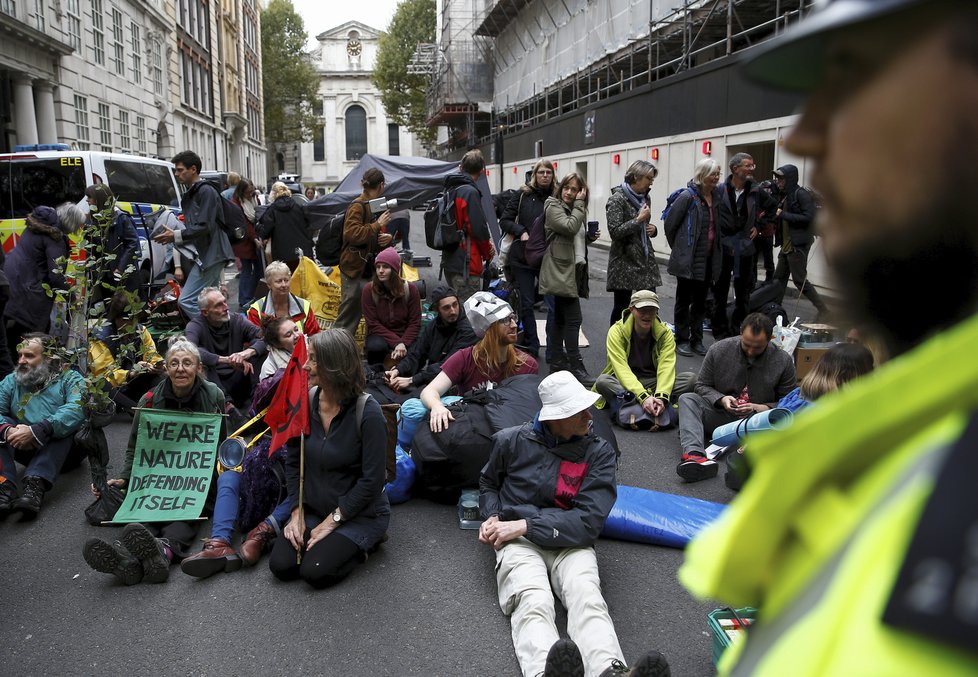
{"points": [[390, 257]]}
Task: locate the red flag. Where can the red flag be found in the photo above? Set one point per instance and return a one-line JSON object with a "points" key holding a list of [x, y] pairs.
{"points": [[288, 414]]}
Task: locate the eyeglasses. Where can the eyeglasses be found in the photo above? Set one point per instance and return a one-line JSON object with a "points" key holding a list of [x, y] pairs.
{"points": [[187, 364], [512, 319], [544, 172]]}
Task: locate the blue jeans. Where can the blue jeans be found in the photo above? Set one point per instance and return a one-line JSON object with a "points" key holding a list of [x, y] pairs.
{"points": [[45, 463], [196, 280], [226, 507], [248, 282]]}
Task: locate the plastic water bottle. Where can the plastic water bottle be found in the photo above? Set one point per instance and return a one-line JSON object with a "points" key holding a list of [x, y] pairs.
{"points": [[468, 510]]}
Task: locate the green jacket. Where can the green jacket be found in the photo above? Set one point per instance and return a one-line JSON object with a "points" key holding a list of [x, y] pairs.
{"points": [[565, 235], [619, 344], [817, 536], [54, 412]]}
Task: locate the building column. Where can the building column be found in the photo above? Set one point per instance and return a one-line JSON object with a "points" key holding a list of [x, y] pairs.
{"points": [[25, 123], [47, 130]]}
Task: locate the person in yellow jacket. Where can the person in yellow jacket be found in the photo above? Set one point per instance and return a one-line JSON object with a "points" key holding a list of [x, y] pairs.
{"points": [[856, 533], [124, 353], [642, 358]]}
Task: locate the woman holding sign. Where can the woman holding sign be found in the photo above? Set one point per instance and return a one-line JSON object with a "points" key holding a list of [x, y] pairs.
{"points": [[344, 511], [144, 553]]}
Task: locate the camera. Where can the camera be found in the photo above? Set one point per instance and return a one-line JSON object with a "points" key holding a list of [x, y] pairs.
{"points": [[380, 204]]}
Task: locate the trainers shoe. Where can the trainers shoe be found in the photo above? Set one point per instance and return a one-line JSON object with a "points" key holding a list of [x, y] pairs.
{"points": [[684, 349], [29, 503], [564, 660], [112, 558], [8, 494], [150, 552], [615, 669], [696, 467], [652, 664], [698, 348], [256, 543], [216, 556]]}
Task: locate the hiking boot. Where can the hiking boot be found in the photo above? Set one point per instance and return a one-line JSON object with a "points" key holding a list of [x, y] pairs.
{"points": [[616, 669], [150, 552], [8, 494], [29, 503], [684, 349], [564, 660], [698, 348], [112, 558], [652, 664], [696, 467], [216, 556], [579, 371], [257, 543], [558, 363]]}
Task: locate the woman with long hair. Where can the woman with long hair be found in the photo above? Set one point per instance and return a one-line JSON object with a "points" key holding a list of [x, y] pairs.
{"points": [[840, 364], [344, 511], [563, 273], [280, 302], [491, 360], [246, 251], [522, 210], [391, 309], [280, 334]]}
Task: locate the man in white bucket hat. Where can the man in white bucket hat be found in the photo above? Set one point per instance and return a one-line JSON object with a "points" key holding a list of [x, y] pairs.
{"points": [[546, 492]]}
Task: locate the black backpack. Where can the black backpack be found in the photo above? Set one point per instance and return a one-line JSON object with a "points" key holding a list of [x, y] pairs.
{"points": [[233, 221], [329, 246], [441, 231]]}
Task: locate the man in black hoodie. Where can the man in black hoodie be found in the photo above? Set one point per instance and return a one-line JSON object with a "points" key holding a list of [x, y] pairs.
{"points": [[796, 213], [463, 265], [450, 331], [202, 217]]}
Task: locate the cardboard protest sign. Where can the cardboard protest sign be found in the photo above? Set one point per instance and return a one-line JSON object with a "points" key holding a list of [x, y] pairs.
{"points": [[174, 461]]}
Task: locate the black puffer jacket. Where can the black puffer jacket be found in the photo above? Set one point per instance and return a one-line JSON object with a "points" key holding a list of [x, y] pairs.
{"points": [[521, 211], [285, 224], [739, 219], [687, 229], [797, 210]]}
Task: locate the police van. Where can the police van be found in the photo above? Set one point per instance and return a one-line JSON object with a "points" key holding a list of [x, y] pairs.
{"points": [[52, 174]]}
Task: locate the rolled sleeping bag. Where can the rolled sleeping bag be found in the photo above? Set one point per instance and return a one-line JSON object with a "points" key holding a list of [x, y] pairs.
{"points": [[646, 516], [772, 419], [399, 490], [411, 413]]}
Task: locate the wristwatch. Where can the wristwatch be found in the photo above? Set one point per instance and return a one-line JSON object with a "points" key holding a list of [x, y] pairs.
{"points": [[337, 516]]}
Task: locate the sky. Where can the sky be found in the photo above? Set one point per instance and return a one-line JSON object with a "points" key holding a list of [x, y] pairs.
{"points": [[321, 15]]}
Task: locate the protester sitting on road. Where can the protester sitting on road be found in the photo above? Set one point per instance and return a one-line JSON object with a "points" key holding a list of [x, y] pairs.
{"points": [[40, 403], [344, 511], [229, 346], [642, 358], [840, 364], [631, 260], [246, 251], [123, 351], [113, 242], [522, 210], [392, 311], [145, 552], [693, 231], [740, 376], [280, 302], [545, 495], [362, 237], [441, 338], [31, 265], [565, 257], [280, 335], [285, 225], [491, 360]]}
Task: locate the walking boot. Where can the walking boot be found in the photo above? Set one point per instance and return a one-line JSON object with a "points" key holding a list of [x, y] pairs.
{"points": [[564, 660], [579, 371], [29, 503], [150, 552], [217, 556], [8, 494], [684, 349], [112, 558], [256, 543], [558, 363]]}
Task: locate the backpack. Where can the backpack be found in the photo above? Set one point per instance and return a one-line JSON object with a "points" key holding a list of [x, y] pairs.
{"points": [[536, 246], [233, 221], [390, 417], [671, 200], [441, 231], [773, 310], [329, 245]]}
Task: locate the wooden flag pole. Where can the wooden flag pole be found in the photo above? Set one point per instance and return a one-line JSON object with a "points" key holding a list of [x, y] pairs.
{"points": [[302, 482]]}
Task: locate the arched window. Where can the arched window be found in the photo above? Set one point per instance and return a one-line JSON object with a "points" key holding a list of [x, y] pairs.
{"points": [[280, 161], [356, 132]]}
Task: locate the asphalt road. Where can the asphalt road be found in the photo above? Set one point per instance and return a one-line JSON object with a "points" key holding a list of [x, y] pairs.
{"points": [[425, 604]]}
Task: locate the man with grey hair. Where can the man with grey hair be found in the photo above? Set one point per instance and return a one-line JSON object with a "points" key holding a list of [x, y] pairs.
{"points": [[41, 409], [229, 346]]}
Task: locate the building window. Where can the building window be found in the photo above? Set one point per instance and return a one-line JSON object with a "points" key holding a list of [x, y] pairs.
{"points": [[136, 48], [104, 127], [356, 133], [39, 15], [393, 140], [8, 7], [318, 144], [125, 136], [118, 55], [74, 24], [141, 134], [98, 33], [254, 122], [157, 66], [81, 121]]}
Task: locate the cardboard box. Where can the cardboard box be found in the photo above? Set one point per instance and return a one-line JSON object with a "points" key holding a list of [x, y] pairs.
{"points": [[805, 358]]}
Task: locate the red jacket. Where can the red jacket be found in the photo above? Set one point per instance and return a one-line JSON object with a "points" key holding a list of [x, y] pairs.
{"points": [[394, 320]]}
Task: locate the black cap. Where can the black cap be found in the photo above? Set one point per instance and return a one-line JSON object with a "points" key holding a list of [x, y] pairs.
{"points": [[795, 60]]}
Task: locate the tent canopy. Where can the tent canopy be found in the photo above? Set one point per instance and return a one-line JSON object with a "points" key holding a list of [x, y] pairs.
{"points": [[411, 180]]}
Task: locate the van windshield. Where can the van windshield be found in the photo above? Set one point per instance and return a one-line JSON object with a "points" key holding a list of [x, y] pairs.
{"points": [[141, 182], [28, 183]]}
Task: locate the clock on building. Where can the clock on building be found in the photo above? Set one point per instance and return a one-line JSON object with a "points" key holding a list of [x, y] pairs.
{"points": [[353, 47]]}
